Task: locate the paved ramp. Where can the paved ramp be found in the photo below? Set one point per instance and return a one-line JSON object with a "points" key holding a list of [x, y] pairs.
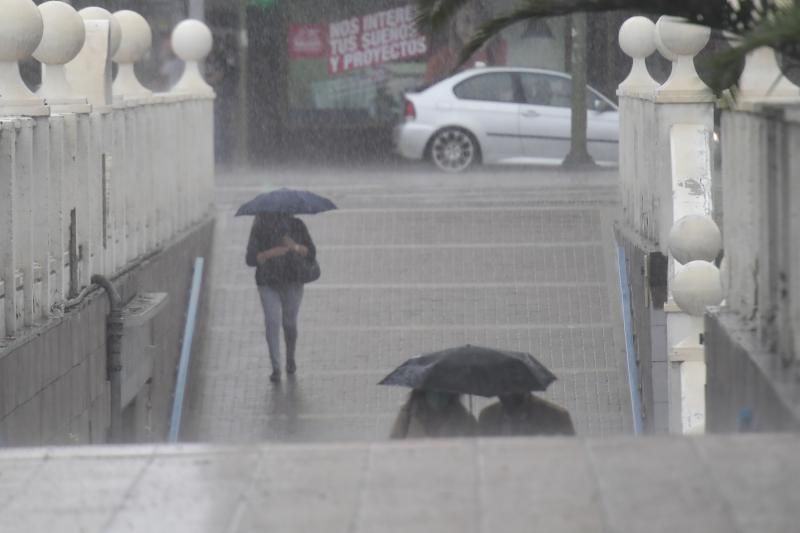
{"points": [[714, 484], [415, 262]]}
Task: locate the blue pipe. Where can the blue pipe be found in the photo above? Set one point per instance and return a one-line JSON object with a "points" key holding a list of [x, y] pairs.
{"points": [[630, 351], [186, 352]]}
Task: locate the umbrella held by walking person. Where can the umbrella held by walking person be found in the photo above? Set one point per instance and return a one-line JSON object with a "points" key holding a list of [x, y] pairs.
{"points": [[285, 257]]}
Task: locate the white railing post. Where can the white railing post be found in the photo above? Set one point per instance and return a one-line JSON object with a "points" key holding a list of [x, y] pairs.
{"points": [[69, 199], [8, 256], [41, 227], [55, 211], [24, 216]]}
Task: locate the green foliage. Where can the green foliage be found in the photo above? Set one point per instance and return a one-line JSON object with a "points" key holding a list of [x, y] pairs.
{"points": [[774, 23]]}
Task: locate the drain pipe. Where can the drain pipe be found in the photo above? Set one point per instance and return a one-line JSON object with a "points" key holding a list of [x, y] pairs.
{"points": [[113, 354]]}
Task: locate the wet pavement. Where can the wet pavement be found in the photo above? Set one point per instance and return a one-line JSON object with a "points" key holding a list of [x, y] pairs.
{"points": [[711, 484], [415, 261]]}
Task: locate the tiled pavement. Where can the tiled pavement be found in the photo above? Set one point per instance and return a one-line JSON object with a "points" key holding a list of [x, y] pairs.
{"points": [[713, 484], [415, 261]]}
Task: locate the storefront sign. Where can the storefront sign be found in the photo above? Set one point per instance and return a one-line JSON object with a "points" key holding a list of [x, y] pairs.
{"points": [[374, 39], [308, 41]]}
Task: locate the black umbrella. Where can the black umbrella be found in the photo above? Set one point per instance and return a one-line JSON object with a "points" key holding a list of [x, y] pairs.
{"points": [[287, 201], [472, 370]]}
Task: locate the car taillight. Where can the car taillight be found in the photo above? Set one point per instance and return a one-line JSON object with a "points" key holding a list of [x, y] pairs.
{"points": [[410, 112]]}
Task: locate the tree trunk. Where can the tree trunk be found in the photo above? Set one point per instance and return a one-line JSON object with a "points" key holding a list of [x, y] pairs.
{"points": [[578, 156]]}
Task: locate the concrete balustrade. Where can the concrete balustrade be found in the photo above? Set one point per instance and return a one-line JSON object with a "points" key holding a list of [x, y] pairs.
{"points": [[667, 148], [118, 180], [665, 169]]}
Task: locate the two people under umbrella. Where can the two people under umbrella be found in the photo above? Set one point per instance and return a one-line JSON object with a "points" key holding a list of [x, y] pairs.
{"points": [[434, 408], [431, 413]]}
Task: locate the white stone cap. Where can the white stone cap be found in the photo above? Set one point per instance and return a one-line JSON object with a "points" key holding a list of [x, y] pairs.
{"points": [[682, 40], [62, 40], [762, 81], [192, 42], [115, 30], [21, 30], [637, 40], [137, 38]]}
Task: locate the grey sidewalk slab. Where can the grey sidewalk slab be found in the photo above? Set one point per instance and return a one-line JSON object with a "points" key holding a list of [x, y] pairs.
{"points": [[709, 484], [414, 263]]}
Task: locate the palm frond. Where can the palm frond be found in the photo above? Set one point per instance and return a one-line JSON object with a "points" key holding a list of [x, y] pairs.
{"points": [[717, 14], [434, 14], [781, 32]]}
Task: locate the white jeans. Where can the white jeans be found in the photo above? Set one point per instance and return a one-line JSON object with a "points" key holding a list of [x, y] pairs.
{"points": [[281, 306]]}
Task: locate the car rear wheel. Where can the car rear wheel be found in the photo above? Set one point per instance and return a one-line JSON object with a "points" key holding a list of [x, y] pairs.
{"points": [[453, 150]]}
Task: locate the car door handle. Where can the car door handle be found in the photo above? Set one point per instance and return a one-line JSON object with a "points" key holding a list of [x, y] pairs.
{"points": [[529, 113]]}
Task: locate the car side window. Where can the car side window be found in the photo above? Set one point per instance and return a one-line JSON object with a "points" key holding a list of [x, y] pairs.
{"points": [[494, 87], [542, 89], [555, 91]]}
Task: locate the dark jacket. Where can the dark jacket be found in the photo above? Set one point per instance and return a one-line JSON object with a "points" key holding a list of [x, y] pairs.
{"points": [[268, 232], [535, 417]]}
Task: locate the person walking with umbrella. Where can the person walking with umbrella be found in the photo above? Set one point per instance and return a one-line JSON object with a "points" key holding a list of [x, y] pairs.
{"points": [[432, 413], [284, 255], [524, 414]]}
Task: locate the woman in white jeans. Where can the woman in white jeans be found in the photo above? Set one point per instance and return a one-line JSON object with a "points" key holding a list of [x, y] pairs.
{"points": [[276, 243]]}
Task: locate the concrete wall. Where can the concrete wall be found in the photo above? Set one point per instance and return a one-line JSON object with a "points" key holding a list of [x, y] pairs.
{"points": [[754, 340], [53, 383]]}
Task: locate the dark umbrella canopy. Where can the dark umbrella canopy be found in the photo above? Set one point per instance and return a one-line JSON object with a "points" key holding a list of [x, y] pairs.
{"points": [[473, 370], [287, 201]]}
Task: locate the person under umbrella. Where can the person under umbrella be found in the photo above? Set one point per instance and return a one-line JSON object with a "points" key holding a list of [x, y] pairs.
{"points": [[487, 372], [431, 413], [283, 253], [524, 414]]}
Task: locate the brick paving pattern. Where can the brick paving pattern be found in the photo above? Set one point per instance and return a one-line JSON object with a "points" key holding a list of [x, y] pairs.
{"points": [[415, 262]]}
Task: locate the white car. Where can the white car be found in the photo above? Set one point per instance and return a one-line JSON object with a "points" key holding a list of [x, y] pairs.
{"points": [[502, 115]]}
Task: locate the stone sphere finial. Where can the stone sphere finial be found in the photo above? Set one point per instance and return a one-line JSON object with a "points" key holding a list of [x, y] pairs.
{"points": [[696, 287], [192, 42], [63, 35], [98, 13], [637, 39], [21, 29], [684, 40], [694, 237], [137, 37], [63, 38]]}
